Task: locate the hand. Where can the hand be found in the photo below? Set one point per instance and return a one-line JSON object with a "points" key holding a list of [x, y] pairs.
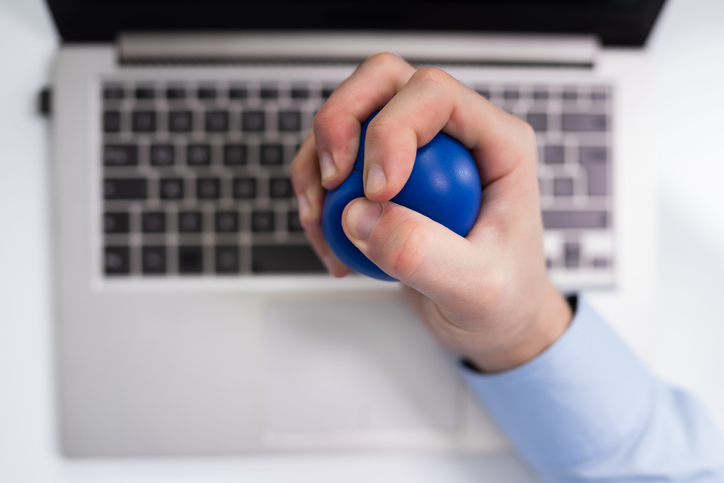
{"points": [[486, 296]]}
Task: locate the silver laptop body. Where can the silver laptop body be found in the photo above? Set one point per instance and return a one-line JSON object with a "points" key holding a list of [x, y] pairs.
{"points": [[175, 337]]}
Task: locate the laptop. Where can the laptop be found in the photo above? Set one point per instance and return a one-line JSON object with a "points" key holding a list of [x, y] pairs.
{"points": [[192, 317]]}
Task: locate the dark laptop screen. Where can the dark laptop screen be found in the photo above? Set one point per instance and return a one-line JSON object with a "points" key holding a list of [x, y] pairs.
{"points": [[616, 22]]}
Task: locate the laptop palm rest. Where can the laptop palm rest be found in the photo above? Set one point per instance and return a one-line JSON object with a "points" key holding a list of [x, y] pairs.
{"points": [[356, 365]]}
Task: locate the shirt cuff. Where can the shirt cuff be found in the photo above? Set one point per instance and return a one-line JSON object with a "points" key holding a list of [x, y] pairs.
{"points": [[577, 399]]}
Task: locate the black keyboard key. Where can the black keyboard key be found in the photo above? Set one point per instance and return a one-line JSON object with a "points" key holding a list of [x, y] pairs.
{"points": [[116, 223], [575, 220], [206, 93], [235, 154], [595, 159], [511, 94], [180, 121], [563, 187], [120, 155], [117, 260], [153, 222], [143, 121], [145, 93], [570, 95], [540, 94], [280, 188], [252, 121], [538, 121], [171, 188], [162, 155], [244, 188], [190, 222], [190, 259], [597, 179], [572, 255], [226, 222], [175, 93], [262, 221], [555, 154], [113, 93], [111, 121], [289, 121], [285, 259], [198, 155], [600, 262], [584, 122], [125, 189], [269, 93], [238, 93], [599, 95], [300, 93], [271, 155], [217, 121], [208, 188], [153, 260], [294, 224], [326, 92], [227, 259], [593, 154]]}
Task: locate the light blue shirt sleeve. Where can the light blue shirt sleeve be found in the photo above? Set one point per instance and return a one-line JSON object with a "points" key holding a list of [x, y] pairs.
{"points": [[587, 409]]}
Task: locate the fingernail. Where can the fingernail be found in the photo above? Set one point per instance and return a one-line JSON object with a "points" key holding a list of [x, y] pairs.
{"points": [[376, 180], [329, 169], [303, 204], [362, 218]]}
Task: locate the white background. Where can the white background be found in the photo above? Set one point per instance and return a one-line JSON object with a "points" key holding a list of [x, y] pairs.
{"points": [[687, 54]]}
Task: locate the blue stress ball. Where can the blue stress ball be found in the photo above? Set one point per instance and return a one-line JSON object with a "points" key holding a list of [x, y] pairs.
{"points": [[444, 186]]}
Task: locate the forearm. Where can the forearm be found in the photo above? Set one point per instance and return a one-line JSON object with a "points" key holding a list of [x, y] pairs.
{"points": [[587, 409]]}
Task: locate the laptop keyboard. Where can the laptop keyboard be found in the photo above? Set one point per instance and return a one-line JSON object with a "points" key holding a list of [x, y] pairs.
{"points": [[574, 139], [196, 176]]}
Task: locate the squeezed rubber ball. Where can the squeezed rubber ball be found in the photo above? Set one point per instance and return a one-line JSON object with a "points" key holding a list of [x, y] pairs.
{"points": [[444, 186]]}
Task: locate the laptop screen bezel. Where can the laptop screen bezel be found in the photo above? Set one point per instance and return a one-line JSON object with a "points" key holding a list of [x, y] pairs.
{"points": [[614, 22]]}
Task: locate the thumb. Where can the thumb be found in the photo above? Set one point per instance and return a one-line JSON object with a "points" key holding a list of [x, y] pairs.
{"points": [[409, 246]]}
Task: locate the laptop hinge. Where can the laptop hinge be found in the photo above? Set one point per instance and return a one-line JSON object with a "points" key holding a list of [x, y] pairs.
{"points": [[418, 48]]}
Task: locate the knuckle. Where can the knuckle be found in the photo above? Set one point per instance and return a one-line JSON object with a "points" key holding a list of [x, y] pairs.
{"points": [[526, 129], [521, 127], [384, 60], [379, 130], [408, 249], [382, 143], [333, 123], [432, 76], [527, 136], [323, 118]]}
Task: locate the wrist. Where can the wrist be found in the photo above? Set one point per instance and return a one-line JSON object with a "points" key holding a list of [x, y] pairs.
{"points": [[536, 335]]}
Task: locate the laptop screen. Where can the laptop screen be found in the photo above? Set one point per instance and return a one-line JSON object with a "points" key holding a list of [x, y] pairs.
{"points": [[615, 22]]}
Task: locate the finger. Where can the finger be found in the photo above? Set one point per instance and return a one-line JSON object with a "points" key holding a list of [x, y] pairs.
{"points": [[409, 246], [430, 102], [310, 197], [306, 183], [337, 124], [325, 254]]}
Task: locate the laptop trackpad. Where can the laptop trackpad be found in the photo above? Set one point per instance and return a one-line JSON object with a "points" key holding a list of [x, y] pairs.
{"points": [[356, 366]]}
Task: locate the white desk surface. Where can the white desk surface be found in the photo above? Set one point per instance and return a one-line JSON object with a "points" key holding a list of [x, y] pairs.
{"points": [[688, 90]]}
